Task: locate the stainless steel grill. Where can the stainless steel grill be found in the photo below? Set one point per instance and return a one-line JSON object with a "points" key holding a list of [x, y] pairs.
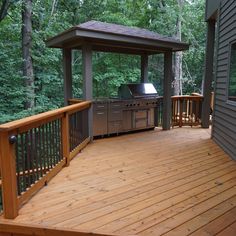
{"points": [[142, 90]]}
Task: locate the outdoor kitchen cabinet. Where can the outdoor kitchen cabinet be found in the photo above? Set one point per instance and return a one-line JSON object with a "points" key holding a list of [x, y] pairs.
{"points": [[151, 117], [115, 117], [100, 118], [127, 121]]}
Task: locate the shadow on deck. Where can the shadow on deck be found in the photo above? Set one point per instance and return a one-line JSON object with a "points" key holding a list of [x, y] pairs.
{"points": [[176, 182]]}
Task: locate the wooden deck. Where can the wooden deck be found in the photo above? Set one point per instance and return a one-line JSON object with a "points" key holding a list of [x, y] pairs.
{"points": [[176, 182]]}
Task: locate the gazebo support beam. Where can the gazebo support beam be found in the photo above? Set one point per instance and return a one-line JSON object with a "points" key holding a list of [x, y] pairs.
{"points": [[208, 77], [166, 122], [67, 71], [144, 68], [88, 82]]}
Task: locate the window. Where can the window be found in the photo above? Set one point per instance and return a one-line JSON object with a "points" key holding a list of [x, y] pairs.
{"points": [[232, 74]]}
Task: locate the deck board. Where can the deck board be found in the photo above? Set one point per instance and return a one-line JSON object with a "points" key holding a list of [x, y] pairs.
{"points": [[176, 182]]}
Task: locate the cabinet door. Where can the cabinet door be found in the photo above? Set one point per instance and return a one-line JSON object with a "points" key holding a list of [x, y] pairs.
{"points": [[151, 117], [99, 122], [127, 120]]}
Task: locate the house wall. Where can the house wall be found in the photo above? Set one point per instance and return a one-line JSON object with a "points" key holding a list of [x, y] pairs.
{"points": [[224, 121]]}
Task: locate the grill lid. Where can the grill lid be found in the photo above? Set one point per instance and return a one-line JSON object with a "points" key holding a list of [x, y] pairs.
{"points": [[140, 90]]}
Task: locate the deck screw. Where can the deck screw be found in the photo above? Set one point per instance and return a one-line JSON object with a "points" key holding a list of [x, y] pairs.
{"points": [[12, 139]]}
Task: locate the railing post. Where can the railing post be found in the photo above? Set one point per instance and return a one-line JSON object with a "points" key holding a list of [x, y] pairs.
{"points": [[181, 112], [8, 172], [65, 138]]}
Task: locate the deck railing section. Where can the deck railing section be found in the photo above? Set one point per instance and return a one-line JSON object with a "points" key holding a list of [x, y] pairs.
{"points": [[78, 131], [186, 110], [34, 149], [38, 150]]}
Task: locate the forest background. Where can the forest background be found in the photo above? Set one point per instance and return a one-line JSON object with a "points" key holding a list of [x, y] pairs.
{"points": [[31, 76]]}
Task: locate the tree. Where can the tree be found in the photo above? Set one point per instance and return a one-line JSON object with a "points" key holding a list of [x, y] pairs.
{"points": [[178, 90], [28, 71], [42, 83], [4, 9]]}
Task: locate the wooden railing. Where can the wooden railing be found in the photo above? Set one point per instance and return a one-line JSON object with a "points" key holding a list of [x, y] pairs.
{"points": [[186, 110], [34, 149]]}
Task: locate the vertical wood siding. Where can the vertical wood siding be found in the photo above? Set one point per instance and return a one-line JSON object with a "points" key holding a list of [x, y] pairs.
{"points": [[224, 129]]}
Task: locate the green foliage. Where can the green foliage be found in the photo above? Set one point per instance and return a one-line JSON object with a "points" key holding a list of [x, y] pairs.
{"points": [[109, 70]]}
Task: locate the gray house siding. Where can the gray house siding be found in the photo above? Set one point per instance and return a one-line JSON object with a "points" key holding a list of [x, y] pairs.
{"points": [[224, 122]]}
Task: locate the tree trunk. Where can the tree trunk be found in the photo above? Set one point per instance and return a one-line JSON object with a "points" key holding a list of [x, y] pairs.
{"points": [[4, 8], [178, 90], [28, 71]]}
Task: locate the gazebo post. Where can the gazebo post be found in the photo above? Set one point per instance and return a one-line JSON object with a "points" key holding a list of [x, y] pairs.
{"points": [[208, 77], [144, 68], [67, 71], [88, 82], [166, 122]]}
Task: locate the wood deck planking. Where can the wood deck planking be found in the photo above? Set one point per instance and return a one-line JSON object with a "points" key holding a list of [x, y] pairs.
{"points": [[150, 186], [198, 161], [149, 180], [229, 231], [145, 219], [171, 223], [123, 208], [217, 225], [176, 182]]}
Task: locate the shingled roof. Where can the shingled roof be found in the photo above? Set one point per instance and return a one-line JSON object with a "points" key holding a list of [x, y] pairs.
{"points": [[113, 37], [124, 30]]}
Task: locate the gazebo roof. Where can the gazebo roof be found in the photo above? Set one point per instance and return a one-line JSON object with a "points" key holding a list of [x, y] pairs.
{"points": [[115, 38]]}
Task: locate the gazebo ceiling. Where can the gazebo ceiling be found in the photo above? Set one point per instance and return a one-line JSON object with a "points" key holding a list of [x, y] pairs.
{"points": [[109, 37]]}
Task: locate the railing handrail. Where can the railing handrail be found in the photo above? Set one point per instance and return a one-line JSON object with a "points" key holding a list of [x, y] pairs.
{"points": [[44, 116], [199, 97]]}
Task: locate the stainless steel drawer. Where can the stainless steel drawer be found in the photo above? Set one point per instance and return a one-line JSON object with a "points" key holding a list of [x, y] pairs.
{"points": [[114, 127], [115, 115], [140, 124], [141, 114], [115, 105], [99, 106]]}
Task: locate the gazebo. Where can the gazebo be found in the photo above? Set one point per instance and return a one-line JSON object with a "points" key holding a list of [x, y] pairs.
{"points": [[106, 37]]}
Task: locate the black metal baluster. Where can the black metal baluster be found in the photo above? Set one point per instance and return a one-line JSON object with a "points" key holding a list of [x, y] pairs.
{"points": [[36, 152], [47, 150], [56, 136], [43, 148], [74, 130], [60, 139], [54, 143], [28, 158], [32, 177], [18, 166], [49, 144], [23, 161], [40, 150]]}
